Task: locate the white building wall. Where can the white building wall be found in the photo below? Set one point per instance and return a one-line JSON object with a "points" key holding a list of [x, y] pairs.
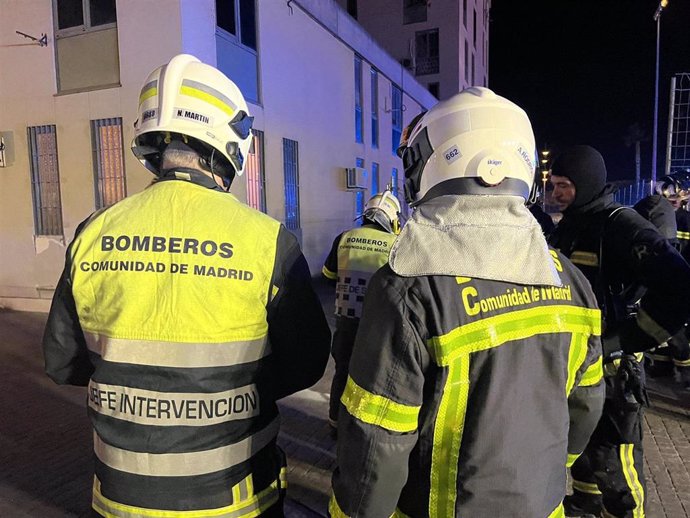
{"points": [[307, 91]]}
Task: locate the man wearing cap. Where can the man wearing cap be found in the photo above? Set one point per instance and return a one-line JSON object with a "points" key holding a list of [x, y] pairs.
{"points": [[617, 250]]}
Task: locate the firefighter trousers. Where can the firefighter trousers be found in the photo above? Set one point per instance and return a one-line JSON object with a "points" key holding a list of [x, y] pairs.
{"points": [[341, 350]]}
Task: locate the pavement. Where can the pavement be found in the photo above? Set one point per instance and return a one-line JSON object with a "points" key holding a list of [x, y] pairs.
{"points": [[45, 437]]}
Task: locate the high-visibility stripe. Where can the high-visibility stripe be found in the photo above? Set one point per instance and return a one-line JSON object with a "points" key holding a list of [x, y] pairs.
{"points": [[576, 356], [248, 508], [185, 464], [398, 514], [559, 512], [453, 350], [329, 274], [572, 457], [683, 235], [632, 479], [593, 374], [334, 509], [379, 410], [517, 325], [177, 354], [448, 430], [208, 94], [586, 487], [148, 407], [148, 91], [649, 326], [681, 363], [584, 258]]}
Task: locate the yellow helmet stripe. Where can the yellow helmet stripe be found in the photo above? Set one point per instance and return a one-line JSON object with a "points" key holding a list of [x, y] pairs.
{"points": [[208, 95], [150, 89]]}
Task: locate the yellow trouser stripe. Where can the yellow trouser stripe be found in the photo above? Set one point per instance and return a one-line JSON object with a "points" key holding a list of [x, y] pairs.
{"points": [[594, 374], [584, 258], [253, 506], [378, 410], [586, 487], [559, 512], [572, 457], [329, 274], [682, 363], [632, 479], [334, 509], [576, 356], [683, 235], [516, 325]]}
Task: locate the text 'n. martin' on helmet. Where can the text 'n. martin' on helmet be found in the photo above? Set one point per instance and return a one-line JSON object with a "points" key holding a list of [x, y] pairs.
{"points": [[191, 101], [384, 209], [476, 142]]}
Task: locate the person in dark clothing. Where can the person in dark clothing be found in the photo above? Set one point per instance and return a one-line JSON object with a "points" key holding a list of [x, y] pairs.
{"points": [[544, 220], [618, 251]]}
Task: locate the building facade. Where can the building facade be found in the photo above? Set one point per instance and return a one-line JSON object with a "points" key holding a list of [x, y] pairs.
{"points": [[325, 96], [443, 43]]}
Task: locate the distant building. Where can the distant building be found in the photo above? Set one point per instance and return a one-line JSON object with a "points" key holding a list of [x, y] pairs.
{"points": [[326, 97], [443, 43]]}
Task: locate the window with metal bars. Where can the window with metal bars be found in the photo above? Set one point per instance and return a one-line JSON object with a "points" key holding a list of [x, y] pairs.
{"points": [[255, 172], [45, 180], [108, 161], [426, 52], [291, 175], [359, 195]]}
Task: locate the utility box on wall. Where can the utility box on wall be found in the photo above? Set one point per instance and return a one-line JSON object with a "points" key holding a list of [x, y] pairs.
{"points": [[6, 148], [356, 178]]}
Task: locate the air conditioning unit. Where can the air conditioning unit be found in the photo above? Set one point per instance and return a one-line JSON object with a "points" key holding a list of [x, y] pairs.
{"points": [[356, 178]]}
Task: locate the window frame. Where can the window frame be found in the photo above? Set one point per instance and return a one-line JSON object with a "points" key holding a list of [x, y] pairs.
{"points": [[37, 180], [237, 38], [260, 161], [291, 222], [396, 116], [427, 35], [411, 10], [97, 149], [374, 108], [85, 27], [359, 98]]}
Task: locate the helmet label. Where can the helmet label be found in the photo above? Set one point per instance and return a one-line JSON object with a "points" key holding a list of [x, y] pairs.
{"points": [[181, 113], [148, 114], [452, 154]]}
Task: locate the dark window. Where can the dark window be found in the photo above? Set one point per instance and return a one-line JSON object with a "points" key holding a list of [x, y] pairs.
{"points": [[474, 28], [358, 100], [70, 13], [291, 176], [467, 61], [45, 180], [73, 13], [473, 70], [434, 89], [464, 13], [374, 108], [248, 23], [414, 11], [225, 15], [359, 195], [426, 52], [396, 116], [102, 12], [374, 178], [352, 8]]}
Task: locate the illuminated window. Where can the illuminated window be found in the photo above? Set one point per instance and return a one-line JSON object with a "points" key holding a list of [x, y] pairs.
{"points": [[45, 180], [256, 177], [396, 116], [108, 161], [358, 100], [291, 175]]}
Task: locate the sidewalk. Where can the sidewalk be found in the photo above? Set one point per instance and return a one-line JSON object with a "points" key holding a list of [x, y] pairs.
{"points": [[45, 439]]}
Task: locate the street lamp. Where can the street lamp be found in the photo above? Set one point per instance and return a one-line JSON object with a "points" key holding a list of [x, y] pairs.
{"points": [[657, 19], [544, 175]]}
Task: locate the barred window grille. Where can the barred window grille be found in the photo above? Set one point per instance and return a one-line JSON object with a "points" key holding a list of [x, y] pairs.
{"points": [[45, 180], [359, 195], [108, 161], [291, 173], [427, 47], [255, 172]]}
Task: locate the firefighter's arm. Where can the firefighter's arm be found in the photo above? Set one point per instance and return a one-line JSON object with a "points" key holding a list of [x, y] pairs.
{"points": [[64, 346], [299, 335], [330, 266], [377, 425], [586, 400]]}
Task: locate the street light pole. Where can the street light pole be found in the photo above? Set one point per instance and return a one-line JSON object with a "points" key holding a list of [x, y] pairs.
{"points": [[657, 19]]}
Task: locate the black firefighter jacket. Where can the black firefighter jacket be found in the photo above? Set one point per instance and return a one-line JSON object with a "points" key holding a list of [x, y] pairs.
{"points": [[187, 314], [467, 397]]}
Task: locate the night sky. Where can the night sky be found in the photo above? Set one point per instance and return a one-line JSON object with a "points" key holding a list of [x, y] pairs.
{"points": [[584, 71]]}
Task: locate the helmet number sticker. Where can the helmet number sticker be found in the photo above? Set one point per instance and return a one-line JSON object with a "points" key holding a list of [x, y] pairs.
{"points": [[181, 113], [452, 154], [148, 114]]}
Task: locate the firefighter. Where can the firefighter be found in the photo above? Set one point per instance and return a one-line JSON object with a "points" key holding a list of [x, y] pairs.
{"points": [[618, 251], [354, 258], [187, 315], [476, 371]]}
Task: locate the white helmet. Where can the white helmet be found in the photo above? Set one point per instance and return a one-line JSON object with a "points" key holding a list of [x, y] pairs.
{"points": [[194, 102], [384, 209], [476, 142]]}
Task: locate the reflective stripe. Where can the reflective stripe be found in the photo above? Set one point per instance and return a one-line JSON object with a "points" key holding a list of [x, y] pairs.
{"points": [[148, 407], [559, 512], [586, 487], [633, 481], [208, 94], [577, 354], [329, 274], [584, 258], [148, 91], [572, 457], [185, 464], [682, 363], [248, 508], [650, 327], [453, 350], [594, 374], [177, 354], [398, 514], [379, 410], [683, 235], [334, 509], [516, 325]]}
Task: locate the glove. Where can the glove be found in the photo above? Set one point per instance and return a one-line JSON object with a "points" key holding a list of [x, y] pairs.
{"points": [[628, 385]]}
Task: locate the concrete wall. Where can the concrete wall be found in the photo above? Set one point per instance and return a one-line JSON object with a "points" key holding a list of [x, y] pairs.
{"points": [[307, 89]]}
